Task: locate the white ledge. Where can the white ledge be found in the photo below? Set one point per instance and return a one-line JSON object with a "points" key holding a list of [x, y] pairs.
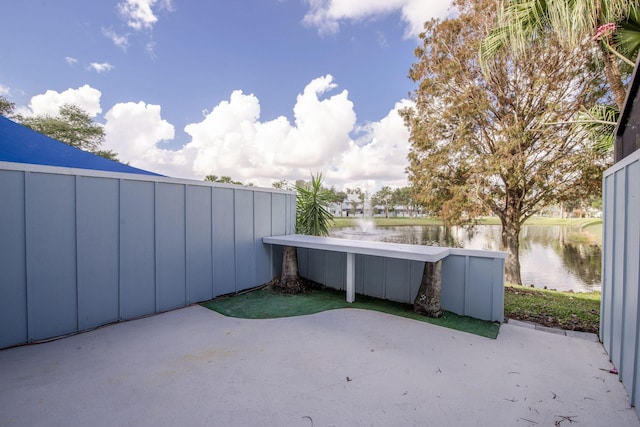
{"points": [[364, 247], [383, 249]]}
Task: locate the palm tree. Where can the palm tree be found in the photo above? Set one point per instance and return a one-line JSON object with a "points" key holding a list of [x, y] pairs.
{"points": [[613, 25], [312, 218], [604, 22]]}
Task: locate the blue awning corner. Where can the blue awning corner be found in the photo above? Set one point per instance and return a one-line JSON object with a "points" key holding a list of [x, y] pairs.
{"points": [[19, 144]]}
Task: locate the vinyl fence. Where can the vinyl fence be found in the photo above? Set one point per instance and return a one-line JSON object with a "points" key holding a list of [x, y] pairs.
{"points": [[472, 280], [81, 248], [619, 316]]}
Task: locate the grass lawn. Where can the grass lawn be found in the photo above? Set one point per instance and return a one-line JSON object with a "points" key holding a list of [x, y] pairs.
{"points": [[566, 310], [263, 303], [591, 228], [586, 223], [385, 222]]}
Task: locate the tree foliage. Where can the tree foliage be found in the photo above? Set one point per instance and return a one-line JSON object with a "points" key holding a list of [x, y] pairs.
{"points": [[312, 216], [282, 184], [7, 108], [72, 125], [406, 197], [481, 143], [222, 179], [384, 198], [610, 27]]}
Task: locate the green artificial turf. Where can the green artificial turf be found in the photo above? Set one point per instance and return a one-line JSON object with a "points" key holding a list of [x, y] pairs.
{"points": [[263, 303]]}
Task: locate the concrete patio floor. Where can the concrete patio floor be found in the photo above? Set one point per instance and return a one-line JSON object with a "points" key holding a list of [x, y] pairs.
{"points": [[195, 367]]}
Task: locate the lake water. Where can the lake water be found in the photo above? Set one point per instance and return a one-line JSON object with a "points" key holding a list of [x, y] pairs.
{"points": [[555, 257]]}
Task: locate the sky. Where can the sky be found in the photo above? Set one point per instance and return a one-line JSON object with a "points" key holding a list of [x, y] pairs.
{"points": [[258, 90]]}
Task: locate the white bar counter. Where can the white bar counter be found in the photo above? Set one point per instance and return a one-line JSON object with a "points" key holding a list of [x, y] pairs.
{"points": [[363, 247]]}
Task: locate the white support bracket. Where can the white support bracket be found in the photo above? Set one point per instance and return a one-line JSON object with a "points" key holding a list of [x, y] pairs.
{"points": [[351, 277]]}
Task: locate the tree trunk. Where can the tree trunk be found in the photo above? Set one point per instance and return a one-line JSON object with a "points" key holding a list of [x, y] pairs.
{"points": [[427, 301], [289, 279], [511, 244], [612, 72]]}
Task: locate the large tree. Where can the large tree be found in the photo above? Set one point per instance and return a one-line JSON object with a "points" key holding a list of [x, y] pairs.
{"points": [[483, 144], [610, 27], [384, 198]]}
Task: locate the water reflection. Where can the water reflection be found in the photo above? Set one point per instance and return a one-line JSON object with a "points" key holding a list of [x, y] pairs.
{"points": [[555, 257]]}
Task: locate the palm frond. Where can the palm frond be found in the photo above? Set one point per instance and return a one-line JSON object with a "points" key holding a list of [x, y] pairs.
{"points": [[626, 39], [599, 122], [522, 22]]}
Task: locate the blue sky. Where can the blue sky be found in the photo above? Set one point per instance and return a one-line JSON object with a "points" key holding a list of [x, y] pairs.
{"points": [[260, 90]]}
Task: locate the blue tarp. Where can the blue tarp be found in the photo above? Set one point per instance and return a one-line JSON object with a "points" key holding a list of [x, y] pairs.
{"points": [[19, 144]]}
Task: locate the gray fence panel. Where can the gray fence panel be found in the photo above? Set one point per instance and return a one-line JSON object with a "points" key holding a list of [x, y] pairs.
{"points": [[606, 296], [631, 372], [619, 316], [417, 268], [370, 275], [308, 262], [315, 265], [262, 228], [303, 261], [279, 214], [85, 248], [51, 259], [224, 269], [137, 249], [479, 302], [619, 266], [630, 298], [199, 244], [335, 276], [472, 285], [245, 243], [13, 292], [279, 227], [170, 246], [454, 283], [497, 314], [397, 277], [291, 214], [98, 248]]}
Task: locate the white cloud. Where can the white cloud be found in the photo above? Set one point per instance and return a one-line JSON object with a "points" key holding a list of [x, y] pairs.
{"points": [[100, 67], [133, 130], [122, 41], [231, 140], [380, 153], [149, 47], [70, 60], [85, 97], [327, 15], [140, 13], [4, 90]]}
